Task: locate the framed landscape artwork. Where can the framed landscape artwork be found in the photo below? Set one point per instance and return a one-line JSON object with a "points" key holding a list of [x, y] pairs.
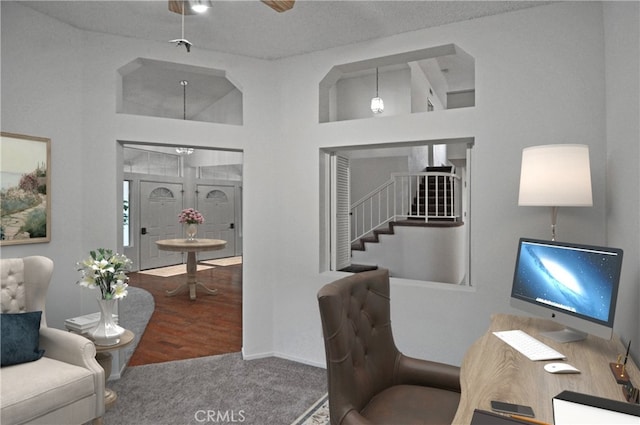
{"points": [[25, 189]]}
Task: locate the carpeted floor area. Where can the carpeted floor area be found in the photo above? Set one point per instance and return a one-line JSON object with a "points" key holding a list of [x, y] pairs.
{"points": [[223, 389], [317, 414], [134, 312], [226, 388]]}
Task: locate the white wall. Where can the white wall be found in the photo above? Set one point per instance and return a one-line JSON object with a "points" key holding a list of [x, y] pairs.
{"points": [[432, 254], [519, 103], [421, 87], [540, 78], [65, 89], [622, 57], [227, 110], [367, 174], [42, 96]]}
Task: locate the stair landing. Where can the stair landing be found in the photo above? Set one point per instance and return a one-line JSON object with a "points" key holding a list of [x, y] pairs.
{"points": [[358, 268]]}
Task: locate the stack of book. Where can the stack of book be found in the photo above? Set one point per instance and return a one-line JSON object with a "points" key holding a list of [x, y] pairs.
{"points": [[83, 324]]}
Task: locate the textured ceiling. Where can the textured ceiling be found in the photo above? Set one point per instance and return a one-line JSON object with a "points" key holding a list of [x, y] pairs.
{"points": [[250, 28]]}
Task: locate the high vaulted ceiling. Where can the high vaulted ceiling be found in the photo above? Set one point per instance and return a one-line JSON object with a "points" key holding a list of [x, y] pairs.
{"points": [[250, 28]]}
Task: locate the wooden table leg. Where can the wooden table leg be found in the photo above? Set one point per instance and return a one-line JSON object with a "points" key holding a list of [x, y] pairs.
{"points": [[179, 289], [105, 360], [192, 283]]}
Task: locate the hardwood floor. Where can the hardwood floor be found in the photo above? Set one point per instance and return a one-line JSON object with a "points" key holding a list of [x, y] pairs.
{"points": [[181, 328]]}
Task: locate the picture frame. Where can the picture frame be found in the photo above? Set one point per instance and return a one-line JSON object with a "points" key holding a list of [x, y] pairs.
{"points": [[25, 189]]}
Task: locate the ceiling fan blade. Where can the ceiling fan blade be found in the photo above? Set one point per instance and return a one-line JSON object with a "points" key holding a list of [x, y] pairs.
{"points": [[177, 5], [279, 5]]}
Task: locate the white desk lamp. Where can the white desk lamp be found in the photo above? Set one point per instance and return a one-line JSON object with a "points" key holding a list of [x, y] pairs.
{"points": [[555, 176]]}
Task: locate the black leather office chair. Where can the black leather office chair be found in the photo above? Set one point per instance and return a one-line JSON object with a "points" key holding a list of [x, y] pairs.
{"points": [[370, 381]]}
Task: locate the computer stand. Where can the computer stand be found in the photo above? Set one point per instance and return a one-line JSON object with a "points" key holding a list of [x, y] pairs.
{"points": [[565, 335]]}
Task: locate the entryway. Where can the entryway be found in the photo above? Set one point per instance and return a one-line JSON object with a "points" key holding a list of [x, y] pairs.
{"points": [[160, 181]]}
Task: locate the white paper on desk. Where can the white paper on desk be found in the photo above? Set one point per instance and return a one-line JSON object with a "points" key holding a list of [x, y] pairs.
{"points": [[572, 413]]}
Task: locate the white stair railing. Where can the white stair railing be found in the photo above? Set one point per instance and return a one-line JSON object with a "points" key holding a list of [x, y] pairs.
{"points": [[400, 198]]}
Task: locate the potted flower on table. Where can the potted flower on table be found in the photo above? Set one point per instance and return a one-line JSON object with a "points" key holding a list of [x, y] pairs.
{"points": [[106, 271], [191, 217]]}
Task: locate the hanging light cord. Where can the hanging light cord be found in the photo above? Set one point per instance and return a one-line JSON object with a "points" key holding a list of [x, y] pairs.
{"points": [[377, 82], [183, 4]]}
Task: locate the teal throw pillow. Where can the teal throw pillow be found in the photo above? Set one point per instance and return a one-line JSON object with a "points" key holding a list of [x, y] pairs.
{"points": [[20, 337]]}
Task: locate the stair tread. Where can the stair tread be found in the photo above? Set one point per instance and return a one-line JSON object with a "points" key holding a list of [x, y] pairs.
{"points": [[358, 268]]}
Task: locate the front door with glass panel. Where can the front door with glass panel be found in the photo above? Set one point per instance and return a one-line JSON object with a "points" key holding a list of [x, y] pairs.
{"points": [[160, 204], [217, 205]]}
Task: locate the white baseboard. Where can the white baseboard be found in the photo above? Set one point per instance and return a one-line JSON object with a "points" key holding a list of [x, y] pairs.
{"points": [[246, 356], [300, 360], [282, 356]]}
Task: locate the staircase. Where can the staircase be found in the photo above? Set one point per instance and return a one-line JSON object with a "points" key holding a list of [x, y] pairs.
{"points": [[429, 198], [435, 196], [374, 237], [433, 252]]}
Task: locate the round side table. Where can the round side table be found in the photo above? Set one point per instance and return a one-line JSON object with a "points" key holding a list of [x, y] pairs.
{"points": [[191, 248], [104, 357]]}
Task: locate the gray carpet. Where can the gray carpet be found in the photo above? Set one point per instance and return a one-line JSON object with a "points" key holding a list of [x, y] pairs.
{"points": [[134, 312], [218, 389]]}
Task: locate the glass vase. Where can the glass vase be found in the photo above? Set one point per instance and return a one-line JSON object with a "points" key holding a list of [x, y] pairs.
{"points": [[106, 332], [192, 231]]}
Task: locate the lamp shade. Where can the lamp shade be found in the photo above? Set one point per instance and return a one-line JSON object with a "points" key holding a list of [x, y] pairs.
{"points": [[556, 176]]}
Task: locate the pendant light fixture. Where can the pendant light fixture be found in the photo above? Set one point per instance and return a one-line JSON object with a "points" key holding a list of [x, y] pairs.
{"points": [[377, 105], [200, 6], [184, 83]]}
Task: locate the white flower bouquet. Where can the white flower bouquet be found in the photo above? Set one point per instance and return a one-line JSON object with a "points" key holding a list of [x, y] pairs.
{"points": [[105, 270]]}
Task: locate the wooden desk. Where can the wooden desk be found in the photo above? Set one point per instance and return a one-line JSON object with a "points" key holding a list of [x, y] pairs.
{"points": [[191, 247], [492, 370]]}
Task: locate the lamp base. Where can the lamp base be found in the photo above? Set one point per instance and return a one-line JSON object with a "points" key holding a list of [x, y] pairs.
{"points": [[554, 218]]}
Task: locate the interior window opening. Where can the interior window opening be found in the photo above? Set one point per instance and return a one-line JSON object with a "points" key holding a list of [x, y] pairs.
{"points": [[432, 79], [403, 207]]}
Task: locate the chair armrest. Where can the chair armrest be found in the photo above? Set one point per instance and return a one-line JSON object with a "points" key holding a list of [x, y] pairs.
{"points": [[77, 350], [413, 371], [68, 347]]}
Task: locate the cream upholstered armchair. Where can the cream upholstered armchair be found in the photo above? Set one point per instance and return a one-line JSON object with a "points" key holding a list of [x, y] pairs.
{"points": [[48, 376]]}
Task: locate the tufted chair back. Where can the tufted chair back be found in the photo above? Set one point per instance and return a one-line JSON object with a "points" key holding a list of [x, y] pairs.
{"points": [[361, 354], [24, 283]]}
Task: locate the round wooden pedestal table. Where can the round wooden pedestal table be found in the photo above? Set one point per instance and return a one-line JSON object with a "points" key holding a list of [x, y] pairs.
{"points": [[104, 357], [191, 248]]}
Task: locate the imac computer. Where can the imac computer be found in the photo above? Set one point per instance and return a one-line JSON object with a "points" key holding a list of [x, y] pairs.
{"points": [[574, 285]]}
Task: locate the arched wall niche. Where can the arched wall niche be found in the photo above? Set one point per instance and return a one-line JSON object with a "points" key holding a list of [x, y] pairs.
{"points": [[430, 79], [154, 88]]}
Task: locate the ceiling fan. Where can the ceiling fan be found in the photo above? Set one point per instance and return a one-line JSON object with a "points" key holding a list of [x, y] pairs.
{"points": [[176, 6], [186, 7]]}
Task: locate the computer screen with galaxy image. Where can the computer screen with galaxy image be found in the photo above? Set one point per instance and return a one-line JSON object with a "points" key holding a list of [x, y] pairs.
{"points": [[575, 285]]}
